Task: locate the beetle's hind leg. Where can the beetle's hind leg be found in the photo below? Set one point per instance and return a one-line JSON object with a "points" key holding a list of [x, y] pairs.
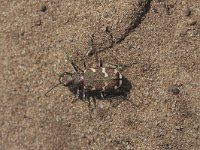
{"points": [[84, 95], [120, 67], [102, 94], [114, 66], [92, 105], [77, 94]]}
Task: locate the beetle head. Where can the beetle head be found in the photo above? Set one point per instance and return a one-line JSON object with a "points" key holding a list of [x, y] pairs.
{"points": [[66, 79]]}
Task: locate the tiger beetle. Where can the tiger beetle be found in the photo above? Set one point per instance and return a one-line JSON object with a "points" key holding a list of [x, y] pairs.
{"points": [[102, 79]]}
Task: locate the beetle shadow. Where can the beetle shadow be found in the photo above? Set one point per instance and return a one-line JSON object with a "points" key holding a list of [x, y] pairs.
{"points": [[122, 92]]}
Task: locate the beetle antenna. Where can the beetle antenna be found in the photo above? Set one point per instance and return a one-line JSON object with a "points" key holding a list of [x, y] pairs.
{"points": [[52, 88]]}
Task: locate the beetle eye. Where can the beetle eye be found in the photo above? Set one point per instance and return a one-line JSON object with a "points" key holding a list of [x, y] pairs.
{"points": [[65, 78]]}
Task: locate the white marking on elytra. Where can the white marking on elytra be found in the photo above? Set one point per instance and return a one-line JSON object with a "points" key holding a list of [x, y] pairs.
{"points": [[81, 78], [120, 79], [116, 87], [116, 71], [104, 87], [61, 79], [93, 70], [93, 89], [102, 96], [104, 71], [120, 76]]}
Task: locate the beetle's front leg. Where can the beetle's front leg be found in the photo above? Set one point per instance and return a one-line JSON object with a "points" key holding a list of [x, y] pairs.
{"points": [[75, 67], [84, 94]]}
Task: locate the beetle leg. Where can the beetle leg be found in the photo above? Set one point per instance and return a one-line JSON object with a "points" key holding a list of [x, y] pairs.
{"points": [[102, 95], [114, 66], [119, 67], [84, 64], [91, 50], [77, 92], [75, 67], [84, 94], [110, 65], [98, 61], [90, 108], [94, 101]]}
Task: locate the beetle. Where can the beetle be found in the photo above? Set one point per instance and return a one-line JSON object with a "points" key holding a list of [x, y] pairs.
{"points": [[101, 79]]}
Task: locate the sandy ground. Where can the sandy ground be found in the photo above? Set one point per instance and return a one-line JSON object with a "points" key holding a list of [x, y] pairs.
{"points": [[162, 107]]}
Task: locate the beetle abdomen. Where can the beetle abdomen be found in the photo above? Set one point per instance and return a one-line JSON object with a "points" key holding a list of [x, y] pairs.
{"points": [[102, 79]]}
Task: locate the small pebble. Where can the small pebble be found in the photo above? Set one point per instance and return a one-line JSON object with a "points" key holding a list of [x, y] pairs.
{"points": [[175, 90], [128, 147], [38, 23], [192, 22], [186, 12], [83, 135], [154, 10], [43, 8], [69, 125], [90, 129], [178, 127]]}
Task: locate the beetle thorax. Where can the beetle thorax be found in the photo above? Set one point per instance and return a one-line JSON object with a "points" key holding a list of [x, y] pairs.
{"points": [[77, 78]]}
